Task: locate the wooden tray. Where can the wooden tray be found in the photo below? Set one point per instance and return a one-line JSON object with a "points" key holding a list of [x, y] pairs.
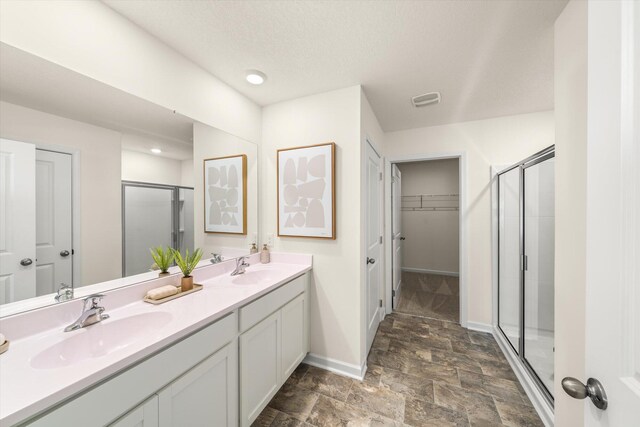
{"points": [[196, 288], [4, 347]]}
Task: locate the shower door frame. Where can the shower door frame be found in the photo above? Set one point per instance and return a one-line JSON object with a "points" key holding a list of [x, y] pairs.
{"points": [[520, 355], [175, 212]]}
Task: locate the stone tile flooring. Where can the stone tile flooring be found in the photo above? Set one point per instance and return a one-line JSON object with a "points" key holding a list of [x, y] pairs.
{"points": [[430, 295], [421, 372]]}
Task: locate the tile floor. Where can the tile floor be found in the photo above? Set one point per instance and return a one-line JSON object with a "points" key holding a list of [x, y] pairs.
{"points": [[421, 372], [430, 295]]}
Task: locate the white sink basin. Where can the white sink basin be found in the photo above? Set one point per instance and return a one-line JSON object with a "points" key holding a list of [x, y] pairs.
{"points": [[99, 339], [254, 277]]}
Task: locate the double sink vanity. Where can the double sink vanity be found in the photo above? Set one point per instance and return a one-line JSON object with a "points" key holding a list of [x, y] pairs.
{"points": [[214, 357]]}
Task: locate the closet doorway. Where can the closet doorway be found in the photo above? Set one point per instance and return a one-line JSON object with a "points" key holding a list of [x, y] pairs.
{"points": [[425, 238]]}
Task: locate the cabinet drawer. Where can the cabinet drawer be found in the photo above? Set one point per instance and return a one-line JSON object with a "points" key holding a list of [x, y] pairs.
{"points": [[263, 307]]}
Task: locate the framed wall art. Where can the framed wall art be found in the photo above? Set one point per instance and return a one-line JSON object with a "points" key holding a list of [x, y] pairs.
{"points": [[306, 191], [225, 195]]}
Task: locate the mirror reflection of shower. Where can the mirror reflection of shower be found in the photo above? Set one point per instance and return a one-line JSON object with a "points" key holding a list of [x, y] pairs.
{"points": [[154, 215]]}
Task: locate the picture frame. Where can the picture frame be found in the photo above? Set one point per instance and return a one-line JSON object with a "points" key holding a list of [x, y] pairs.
{"points": [[306, 191], [225, 194]]}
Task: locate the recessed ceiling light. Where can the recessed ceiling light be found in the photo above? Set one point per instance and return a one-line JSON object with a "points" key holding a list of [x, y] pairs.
{"points": [[156, 150], [255, 77]]}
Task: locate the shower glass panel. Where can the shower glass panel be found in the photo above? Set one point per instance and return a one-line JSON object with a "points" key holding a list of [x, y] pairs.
{"points": [[509, 256], [148, 222], [539, 222], [186, 231]]}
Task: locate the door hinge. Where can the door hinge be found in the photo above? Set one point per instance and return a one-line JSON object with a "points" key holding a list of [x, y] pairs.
{"points": [[393, 292], [380, 176], [380, 239], [524, 263], [380, 303]]}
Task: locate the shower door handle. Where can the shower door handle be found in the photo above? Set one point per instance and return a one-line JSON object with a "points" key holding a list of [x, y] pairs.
{"points": [[593, 390]]}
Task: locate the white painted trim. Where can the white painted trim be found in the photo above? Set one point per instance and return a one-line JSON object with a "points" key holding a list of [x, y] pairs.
{"points": [[387, 240], [336, 366], [427, 271], [463, 255], [364, 223], [540, 404], [480, 327]]}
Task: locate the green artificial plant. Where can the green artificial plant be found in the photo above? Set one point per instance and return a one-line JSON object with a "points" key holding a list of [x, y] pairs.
{"points": [[187, 263], [163, 258]]}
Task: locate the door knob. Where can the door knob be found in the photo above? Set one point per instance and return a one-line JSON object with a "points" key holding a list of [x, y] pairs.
{"points": [[371, 260], [26, 262], [593, 390], [64, 253], [403, 238]]}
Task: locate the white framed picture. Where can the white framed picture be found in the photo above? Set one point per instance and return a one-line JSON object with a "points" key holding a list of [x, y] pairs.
{"points": [[306, 192], [225, 195]]}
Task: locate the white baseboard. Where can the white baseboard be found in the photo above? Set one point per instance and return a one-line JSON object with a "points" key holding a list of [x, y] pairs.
{"points": [[336, 366], [427, 271], [542, 407], [480, 327]]}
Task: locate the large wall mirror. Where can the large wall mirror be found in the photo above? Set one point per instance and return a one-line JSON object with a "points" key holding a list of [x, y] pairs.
{"points": [[92, 177]]}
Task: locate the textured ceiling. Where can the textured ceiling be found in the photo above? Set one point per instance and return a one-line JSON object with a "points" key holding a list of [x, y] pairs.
{"points": [[487, 58], [36, 83]]}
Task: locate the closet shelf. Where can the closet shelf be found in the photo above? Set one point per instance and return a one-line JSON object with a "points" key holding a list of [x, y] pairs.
{"points": [[430, 202]]}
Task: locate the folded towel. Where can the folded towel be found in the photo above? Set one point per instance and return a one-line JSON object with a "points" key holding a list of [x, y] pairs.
{"points": [[162, 292], [2, 339]]}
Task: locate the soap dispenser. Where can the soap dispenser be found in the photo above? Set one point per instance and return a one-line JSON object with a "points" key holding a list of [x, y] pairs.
{"points": [[253, 249], [265, 256]]}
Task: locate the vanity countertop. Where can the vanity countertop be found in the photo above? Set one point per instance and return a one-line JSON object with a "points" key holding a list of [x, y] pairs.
{"points": [[30, 381]]}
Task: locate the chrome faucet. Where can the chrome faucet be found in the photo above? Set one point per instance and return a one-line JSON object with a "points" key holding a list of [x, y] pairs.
{"points": [[215, 258], [65, 293], [241, 264], [91, 315]]}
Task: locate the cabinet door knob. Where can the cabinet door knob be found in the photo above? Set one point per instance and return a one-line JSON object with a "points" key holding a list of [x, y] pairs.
{"points": [[371, 260]]}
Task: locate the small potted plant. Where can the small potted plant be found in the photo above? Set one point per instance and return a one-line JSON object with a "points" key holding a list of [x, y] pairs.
{"points": [[186, 264], [162, 258]]}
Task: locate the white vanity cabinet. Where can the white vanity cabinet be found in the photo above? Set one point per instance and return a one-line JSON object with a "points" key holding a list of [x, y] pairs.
{"points": [[194, 382], [223, 374], [272, 348], [207, 395], [145, 415]]}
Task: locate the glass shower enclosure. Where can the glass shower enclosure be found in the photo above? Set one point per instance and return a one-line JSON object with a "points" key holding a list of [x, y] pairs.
{"points": [[526, 221], [154, 215]]}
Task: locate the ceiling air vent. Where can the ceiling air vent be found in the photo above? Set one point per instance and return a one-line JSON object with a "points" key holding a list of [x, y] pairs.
{"points": [[426, 99]]}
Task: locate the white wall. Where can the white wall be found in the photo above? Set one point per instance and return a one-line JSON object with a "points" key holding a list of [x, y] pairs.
{"points": [[150, 168], [431, 236], [99, 182], [92, 39], [571, 204], [497, 141], [208, 143], [336, 328]]}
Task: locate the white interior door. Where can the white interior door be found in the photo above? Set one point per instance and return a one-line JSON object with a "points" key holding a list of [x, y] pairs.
{"points": [[613, 212], [17, 221], [54, 263], [374, 245], [396, 231]]}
